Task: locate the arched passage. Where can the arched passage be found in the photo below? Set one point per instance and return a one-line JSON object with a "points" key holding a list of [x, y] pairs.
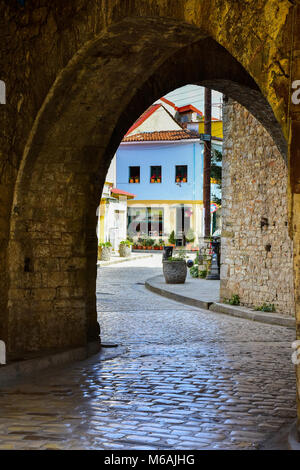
{"points": [[94, 100]]}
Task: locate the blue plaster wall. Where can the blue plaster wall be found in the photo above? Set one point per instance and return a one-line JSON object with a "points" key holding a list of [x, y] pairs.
{"points": [[167, 156]]}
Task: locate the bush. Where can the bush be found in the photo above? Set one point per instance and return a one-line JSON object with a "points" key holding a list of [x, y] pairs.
{"points": [[194, 271], [104, 245], [190, 236], [179, 256], [203, 274], [126, 242], [234, 300], [266, 308], [172, 239]]}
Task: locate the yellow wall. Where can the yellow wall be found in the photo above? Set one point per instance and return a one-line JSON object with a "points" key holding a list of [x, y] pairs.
{"points": [[216, 128]]}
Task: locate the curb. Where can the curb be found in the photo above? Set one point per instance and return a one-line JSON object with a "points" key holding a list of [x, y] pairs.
{"points": [[122, 260], [178, 297], [28, 367], [243, 312], [217, 307]]}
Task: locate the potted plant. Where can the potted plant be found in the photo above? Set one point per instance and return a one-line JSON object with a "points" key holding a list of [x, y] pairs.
{"points": [[125, 248], [184, 179], [137, 180], [131, 180], [177, 179], [172, 239], [175, 269], [104, 251], [158, 180], [190, 238]]}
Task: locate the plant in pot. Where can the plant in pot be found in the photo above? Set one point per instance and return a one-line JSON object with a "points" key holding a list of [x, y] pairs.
{"points": [[140, 243], [190, 238], [175, 269], [125, 248], [150, 243], [104, 251], [171, 239]]}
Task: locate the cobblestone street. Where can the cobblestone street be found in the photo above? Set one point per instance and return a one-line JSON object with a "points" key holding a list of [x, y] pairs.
{"points": [[187, 379]]}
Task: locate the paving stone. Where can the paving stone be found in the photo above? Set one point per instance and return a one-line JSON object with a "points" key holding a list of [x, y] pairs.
{"points": [[189, 379]]}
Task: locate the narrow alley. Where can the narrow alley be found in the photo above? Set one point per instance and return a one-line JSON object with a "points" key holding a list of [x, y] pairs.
{"points": [[180, 378]]}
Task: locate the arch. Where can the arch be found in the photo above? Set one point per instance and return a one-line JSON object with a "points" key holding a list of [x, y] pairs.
{"points": [[94, 100]]}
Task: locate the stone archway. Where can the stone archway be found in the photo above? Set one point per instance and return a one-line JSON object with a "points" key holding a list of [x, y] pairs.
{"points": [[94, 100]]}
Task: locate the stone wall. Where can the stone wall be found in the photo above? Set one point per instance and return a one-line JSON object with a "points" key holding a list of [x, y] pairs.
{"points": [[67, 111], [256, 249]]}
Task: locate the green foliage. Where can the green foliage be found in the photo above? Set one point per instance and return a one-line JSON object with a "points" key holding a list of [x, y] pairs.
{"points": [[161, 242], [266, 308], [216, 171], [234, 300], [203, 274], [105, 245], [180, 255], [126, 242], [190, 236], [172, 239], [194, 272]]}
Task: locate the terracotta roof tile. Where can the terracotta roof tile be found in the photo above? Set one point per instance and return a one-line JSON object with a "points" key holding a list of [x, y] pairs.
{"points": [[183, 134]]}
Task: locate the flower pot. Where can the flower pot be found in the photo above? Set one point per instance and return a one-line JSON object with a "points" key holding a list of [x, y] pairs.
{"points": [[125, 251], [175, 272], [105, 253], [131, 180]]}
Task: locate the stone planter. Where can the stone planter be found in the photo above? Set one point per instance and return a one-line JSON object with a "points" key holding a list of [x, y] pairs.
{"points": [[175, 272], [104, 253], [125, 251]]}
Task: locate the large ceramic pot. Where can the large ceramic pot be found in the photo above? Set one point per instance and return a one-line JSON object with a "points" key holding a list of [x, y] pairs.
{"points": [[125, 251], [175, 272], [104, 253]]}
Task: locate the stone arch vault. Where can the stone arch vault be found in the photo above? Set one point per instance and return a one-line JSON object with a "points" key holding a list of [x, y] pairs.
{"points": [[77, 76]]}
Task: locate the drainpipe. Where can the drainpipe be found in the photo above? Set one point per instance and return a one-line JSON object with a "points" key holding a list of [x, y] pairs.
{"points": [[194, 176]]}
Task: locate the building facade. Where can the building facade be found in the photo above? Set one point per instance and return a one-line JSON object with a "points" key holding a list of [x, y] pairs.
{"points": [[164, 169], [112, 211]]}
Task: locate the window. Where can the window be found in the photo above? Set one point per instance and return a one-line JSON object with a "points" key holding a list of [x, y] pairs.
{"points": [[134, 174], [145, 221], [155, 174], [181, 174]]}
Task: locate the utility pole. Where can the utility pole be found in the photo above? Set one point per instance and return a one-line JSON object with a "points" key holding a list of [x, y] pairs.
{"points": [[207, 162]]}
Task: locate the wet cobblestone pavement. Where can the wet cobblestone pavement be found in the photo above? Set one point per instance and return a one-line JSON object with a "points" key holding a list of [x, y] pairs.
{"points": [[187, 379]]}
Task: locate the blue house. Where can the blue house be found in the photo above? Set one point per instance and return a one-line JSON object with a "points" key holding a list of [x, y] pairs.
{"points": [[164, 169]]}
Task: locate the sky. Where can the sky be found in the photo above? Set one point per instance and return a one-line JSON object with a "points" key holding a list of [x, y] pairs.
{"points": [[194, 94]]}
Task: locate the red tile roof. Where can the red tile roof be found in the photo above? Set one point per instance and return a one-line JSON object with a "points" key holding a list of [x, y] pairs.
{"points": [[183, 134], [186, 108], [122, 193]]}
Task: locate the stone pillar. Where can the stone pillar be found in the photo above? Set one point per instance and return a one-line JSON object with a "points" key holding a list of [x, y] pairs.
{"points": [[294, 183]]}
